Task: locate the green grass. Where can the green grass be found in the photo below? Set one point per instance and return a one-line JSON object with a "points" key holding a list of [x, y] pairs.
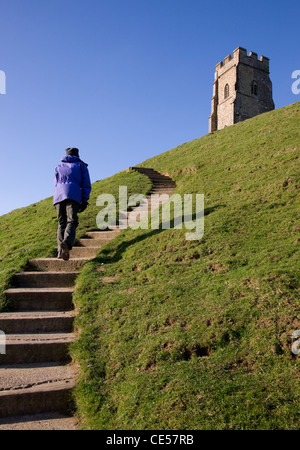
{"points": [[197, 334], [178, 334], [30, 232]]}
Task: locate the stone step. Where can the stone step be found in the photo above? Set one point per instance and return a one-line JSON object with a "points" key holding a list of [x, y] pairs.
{"points": [[164, 200], [21, 376], [147, 202], [150, 205], [145, 170], [106, 236], [84, 252], [92, 242], [56, 265], [47, 421], [40, 299], [37, 399], [168, 192], [44, 279], [162, 183], [36, 348], [155, 196], [159, 177], [35, 388], [160, 191], [37, 322], [153, 174], [138, 215]]}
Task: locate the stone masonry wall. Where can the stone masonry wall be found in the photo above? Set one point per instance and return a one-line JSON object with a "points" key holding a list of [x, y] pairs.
{"points": [[239, 71], [225, 109]]}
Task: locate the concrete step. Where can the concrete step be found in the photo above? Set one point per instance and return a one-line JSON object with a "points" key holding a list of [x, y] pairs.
{"points": [[153, 174], [93, 242], [102, 235], [21, 376], [48, 421], [168, 192], [147, 171], [45, 279], [163, 200], [155, 197], [155, 204], [37, 322], [36, 348], [40, 299], [161, 183], [37, 399], [84, 252], [35, 389], [157, 175], [56, 265], [143, 208], [160, 191]]}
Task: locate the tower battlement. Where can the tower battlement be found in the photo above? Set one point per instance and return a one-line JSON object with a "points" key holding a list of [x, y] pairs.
{"points": [[240, 55], [242, 89]]}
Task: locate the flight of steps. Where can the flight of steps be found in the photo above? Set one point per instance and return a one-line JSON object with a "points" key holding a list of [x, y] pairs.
{"points": [[36, 374], [161, 184]]}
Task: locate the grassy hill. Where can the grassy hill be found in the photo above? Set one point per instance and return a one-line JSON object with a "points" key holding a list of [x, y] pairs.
{"points": [[179, 334], [30, 232]]}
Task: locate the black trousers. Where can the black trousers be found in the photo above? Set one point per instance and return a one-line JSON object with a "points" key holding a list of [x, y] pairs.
{"points": [[67, 213]]}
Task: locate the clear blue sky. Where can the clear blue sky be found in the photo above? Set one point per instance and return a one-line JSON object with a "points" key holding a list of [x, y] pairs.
{"points": [[122, 80]]}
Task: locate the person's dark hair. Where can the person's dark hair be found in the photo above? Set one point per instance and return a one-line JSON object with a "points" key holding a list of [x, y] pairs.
{"points": [[72, 151]]}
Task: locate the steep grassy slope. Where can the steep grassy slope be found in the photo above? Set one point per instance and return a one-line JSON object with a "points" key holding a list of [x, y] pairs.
{"points": [[31, 232], [180, 334]]}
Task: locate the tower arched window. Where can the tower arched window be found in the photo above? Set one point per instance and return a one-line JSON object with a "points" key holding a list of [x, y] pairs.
{"points": [[226, 91], [254, 88]]}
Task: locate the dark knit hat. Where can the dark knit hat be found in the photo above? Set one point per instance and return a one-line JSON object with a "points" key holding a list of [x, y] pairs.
{"points": [[72, 151]]}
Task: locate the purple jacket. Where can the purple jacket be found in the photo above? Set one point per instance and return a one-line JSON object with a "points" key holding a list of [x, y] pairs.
{"points": [[72, 180]]}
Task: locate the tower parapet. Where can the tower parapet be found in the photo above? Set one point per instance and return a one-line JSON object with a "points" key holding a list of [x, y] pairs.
{"points": [[239, 55]]}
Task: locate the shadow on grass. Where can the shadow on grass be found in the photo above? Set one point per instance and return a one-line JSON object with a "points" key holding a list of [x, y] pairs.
{"points": [[123, 246]]}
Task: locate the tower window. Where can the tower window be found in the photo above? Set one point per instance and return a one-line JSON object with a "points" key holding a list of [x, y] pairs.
{"points": [[254, 88], [226, 91]]}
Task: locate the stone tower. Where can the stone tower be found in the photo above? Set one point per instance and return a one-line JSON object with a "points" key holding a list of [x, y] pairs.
{"points": [[242, 89]]}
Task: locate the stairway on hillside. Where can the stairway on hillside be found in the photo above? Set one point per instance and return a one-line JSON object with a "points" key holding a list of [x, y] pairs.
{"points": [[36, 374]]}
